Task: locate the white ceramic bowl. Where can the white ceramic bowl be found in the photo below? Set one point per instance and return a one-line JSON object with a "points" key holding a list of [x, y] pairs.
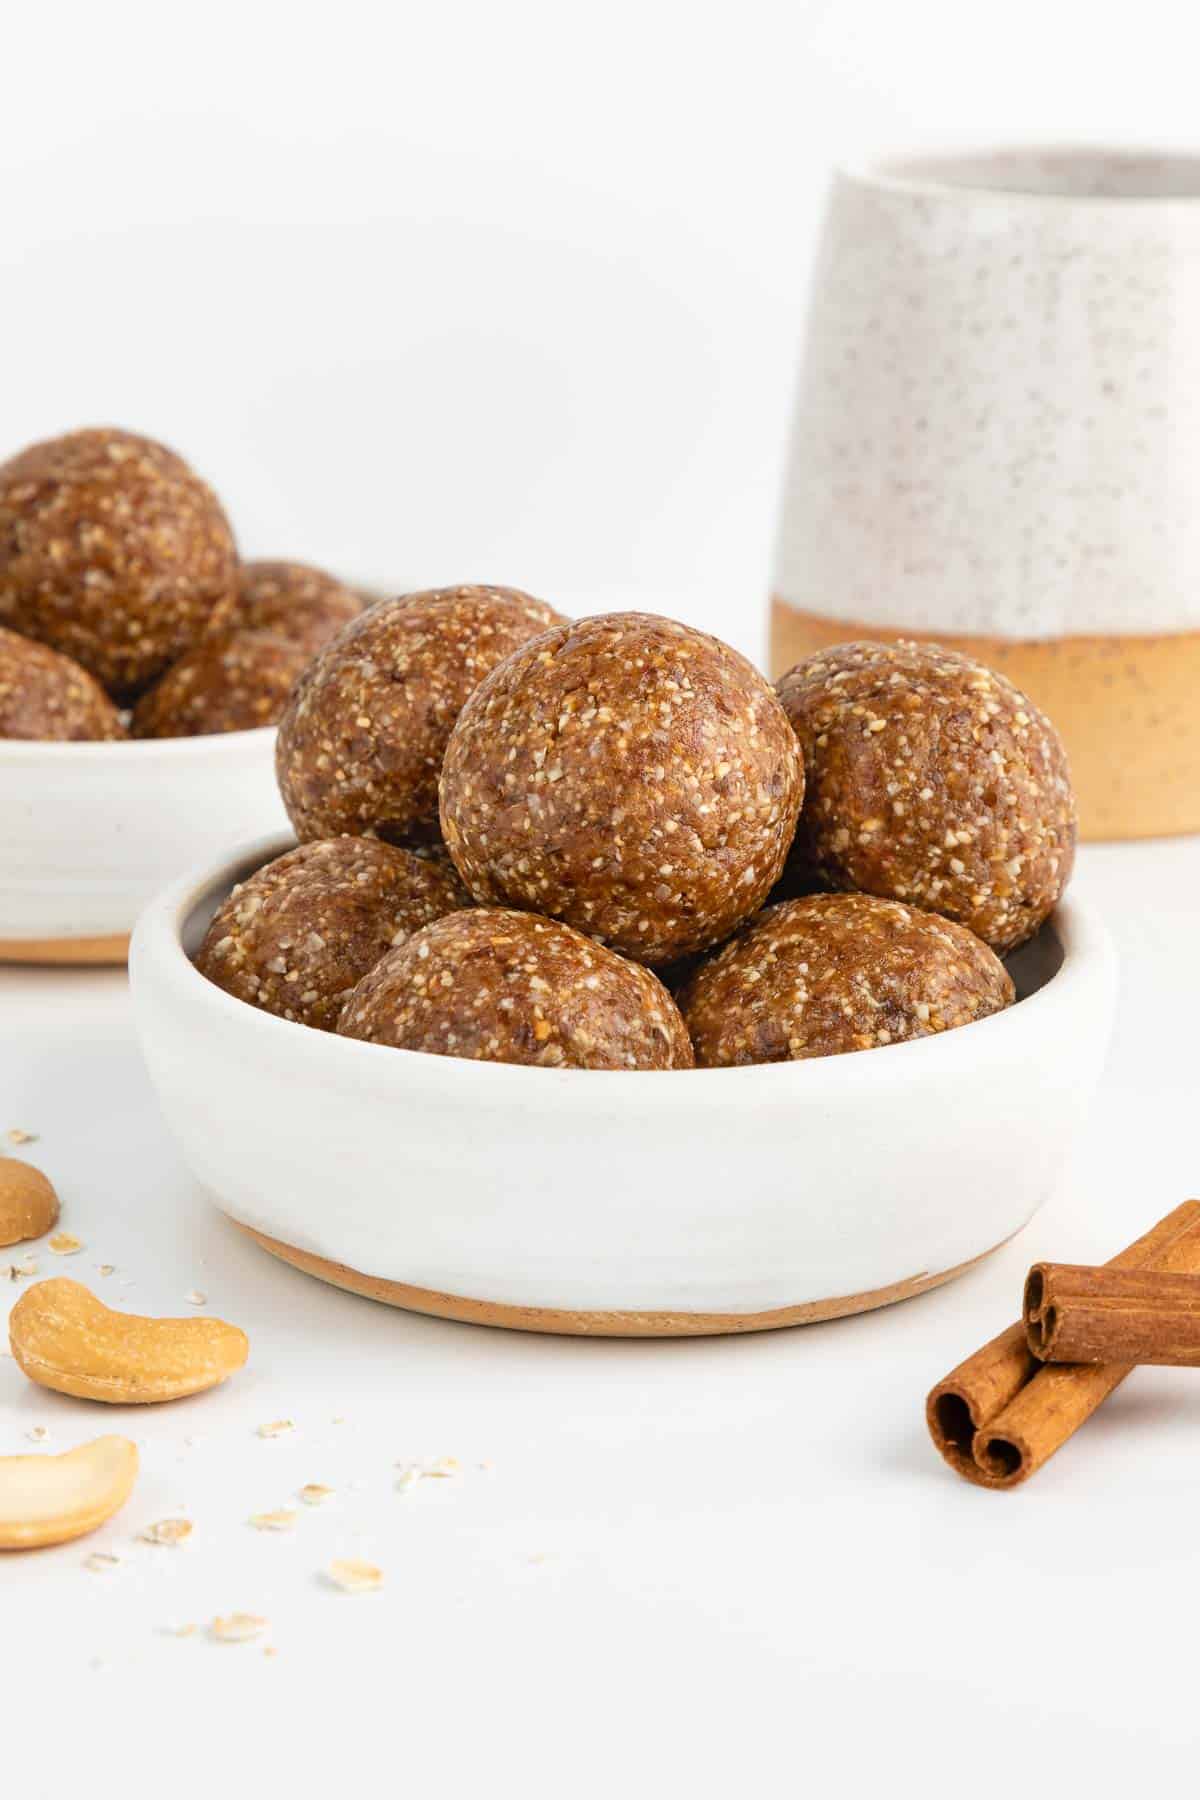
{"points": [[91, 831], [557, 1199]]}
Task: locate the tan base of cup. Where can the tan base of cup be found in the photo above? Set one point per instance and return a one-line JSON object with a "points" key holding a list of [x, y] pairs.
{"points": [[94, 950], [1126, 707], [600, 1324]]}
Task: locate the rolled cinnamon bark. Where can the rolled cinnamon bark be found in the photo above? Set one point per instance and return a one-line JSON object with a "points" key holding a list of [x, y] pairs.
{"points": [[1082, 1315], [1001, 1414]]}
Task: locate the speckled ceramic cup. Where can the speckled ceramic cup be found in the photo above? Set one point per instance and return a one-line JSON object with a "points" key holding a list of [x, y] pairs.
{"points": [[997, 444]]}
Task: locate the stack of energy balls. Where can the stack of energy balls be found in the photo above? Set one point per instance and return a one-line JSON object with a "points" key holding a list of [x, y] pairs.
{"points": [[124, 609], [612, 844]]}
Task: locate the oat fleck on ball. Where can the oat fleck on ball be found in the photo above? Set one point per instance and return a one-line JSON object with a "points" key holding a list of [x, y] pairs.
{"points": [[114, 552], [361, 745], [233, 681], [44, 695], [502, 986], [931, 779], [836, 973], [295, 937], [293, 601], [630, 776]]}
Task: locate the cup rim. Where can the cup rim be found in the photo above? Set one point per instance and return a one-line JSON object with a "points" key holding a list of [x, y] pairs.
{"points": [[913, 170]]}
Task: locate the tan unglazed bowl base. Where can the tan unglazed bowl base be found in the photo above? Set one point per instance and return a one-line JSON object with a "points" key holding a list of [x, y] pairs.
{"points": [[1127, 708], [600, 1324], [77, 951]]}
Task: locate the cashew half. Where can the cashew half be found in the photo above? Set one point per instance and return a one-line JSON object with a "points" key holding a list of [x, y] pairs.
{"points": [[51, 1499], [28, 1203], [64, 1338]]}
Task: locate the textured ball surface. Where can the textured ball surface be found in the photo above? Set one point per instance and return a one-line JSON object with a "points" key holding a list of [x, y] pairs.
{"points": [[114, 552], [837, 973], [295, 937], [630, 776], [293, 601], [931, 779], [361, 744], [502, 986], [44, 695], [232, 681]]}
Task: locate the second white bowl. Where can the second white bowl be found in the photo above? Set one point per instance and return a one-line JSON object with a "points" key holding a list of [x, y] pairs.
{"points": [[91, 831]]}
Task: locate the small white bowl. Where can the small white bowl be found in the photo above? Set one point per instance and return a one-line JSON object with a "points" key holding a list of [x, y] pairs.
{"points": [[629, 1204], [91, 831]]}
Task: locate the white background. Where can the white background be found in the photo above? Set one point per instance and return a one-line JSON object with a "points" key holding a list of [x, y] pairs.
{"points": [[479, 291], [512, 292]]}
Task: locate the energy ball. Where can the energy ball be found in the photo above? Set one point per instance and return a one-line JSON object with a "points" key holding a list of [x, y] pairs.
{"points": [[630, 776], [294, 601], [361, 745], [835, 973], [233, 681], [295, 937], [45, 695], [114, 552], [931, 779], [509, 987]]}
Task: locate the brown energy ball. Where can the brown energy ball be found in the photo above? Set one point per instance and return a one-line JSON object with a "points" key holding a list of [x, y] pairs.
{"points": [[361, 745], [233, 681], [834, 973], [931, 779], [294, 601], [629, 775], [114, 552], [510, 987], [45, 695], [296, 936]]}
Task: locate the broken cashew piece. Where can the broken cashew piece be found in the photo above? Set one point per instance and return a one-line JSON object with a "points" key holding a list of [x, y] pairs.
{"points": [[52, 1499], [62, 1337], [28, 1202]]}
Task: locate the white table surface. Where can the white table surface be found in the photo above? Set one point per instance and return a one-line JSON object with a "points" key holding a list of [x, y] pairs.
{"points": [[670, 1568]]}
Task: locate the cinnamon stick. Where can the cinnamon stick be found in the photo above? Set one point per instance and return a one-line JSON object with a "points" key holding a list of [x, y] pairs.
{"points": [[1001, 1414], [1081, 1315]]}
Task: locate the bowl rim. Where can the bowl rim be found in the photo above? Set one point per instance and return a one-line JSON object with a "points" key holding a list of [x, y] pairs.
{"points": [[15, 751], [1088, 963]]}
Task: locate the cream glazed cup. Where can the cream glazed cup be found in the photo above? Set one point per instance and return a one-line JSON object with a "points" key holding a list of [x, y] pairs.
{"points": [[91, 830], [620, 1203], [996, 444]]}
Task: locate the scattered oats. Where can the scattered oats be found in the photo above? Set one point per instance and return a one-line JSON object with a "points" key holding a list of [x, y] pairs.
{"points": [[283, 1520], [237, 1628], [167, 1531], [276, 1428], [105, 1269], [178, 1630], [19, 1270], [443, 1467], [354, 1576], [314, 1493], [196, 1298], [100, 1562], [408, 1478], [65, 1243], [39, 1434], [14, 1135]]}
